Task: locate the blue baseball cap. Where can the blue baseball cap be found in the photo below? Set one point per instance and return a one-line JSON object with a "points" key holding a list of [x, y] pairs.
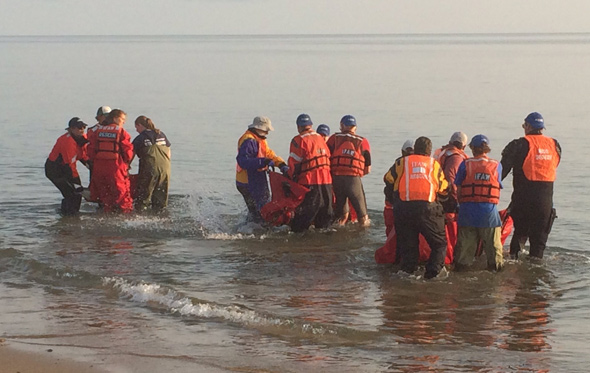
{"points": [[304, 120], [323, 129], [479, 140], [535, 120], [348, 121]]}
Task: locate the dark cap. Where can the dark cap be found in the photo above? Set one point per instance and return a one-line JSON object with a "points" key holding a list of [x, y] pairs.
{"points": [[323, 129], [348, 121], [75, 122], [479, 140], [535, 120], [304, 120]]}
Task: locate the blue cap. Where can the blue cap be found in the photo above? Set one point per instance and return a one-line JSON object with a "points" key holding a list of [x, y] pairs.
{"points": [[535, 120], [479, 140], [304, 120], [348, 121], [323, 129]]}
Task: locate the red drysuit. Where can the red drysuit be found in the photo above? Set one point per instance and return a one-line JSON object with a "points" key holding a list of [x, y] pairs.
{"points": [[111, 152]]}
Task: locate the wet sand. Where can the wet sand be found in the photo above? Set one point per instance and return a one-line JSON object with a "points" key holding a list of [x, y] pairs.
{"points": [[25, 358], [41, 360]]}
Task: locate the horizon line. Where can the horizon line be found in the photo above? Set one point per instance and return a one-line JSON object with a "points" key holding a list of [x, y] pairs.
{"points": [[310, 34]]}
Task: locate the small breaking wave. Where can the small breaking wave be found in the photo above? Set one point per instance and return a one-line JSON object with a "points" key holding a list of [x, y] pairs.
{"points": [[157, 296]]}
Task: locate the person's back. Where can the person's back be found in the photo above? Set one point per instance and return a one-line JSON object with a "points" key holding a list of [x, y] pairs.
{"points": [[450, 157], [112, 153], [350, 160], [533, 160], [478, 182], [418, 184], [309, 165]]}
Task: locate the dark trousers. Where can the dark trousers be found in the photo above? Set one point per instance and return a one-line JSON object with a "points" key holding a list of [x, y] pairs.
{"points": [[532, 218], [349, 188], [420, 217], [70, 187], [316, 209], [253, 213]]}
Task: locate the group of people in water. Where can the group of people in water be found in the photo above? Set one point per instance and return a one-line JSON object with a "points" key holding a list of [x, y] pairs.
{"points": [[107, 150], [441, 197]]}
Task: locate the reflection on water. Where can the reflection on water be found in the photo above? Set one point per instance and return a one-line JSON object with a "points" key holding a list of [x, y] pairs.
{"points": [[507, 311], [527, 322]]}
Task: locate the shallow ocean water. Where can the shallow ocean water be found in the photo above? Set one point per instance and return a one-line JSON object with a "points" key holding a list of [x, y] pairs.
{"points": [[198, 288]]}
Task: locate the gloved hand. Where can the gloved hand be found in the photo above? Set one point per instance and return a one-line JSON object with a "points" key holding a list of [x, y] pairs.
{"points": [[269, 163], [284, 169]]}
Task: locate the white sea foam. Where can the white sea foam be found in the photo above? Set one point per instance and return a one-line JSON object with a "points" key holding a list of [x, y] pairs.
{"points": [[182, 305]]}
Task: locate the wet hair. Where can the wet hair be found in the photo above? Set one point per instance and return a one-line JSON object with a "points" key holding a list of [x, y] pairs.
{"points": [[479, 150], [147, 123], [423, 146], [115, 113]]}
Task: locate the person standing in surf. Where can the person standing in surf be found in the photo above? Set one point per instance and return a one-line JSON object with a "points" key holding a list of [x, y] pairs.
{"points": [[309, 165], [60, 166], [101, 115], [153, 150], [533, 160], [252, 163], [350, 160], [112, 153], [478, 188], [418, 188]]}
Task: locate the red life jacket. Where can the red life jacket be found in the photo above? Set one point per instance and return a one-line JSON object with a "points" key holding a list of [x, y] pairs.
{"points": [[481, 183], [347, 158], [417, 181], [315, 159], [107, 140], [542, 159], [448, 151]]}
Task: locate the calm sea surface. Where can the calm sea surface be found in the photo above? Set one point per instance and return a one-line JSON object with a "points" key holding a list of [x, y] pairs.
{"points": [[198, 291]]}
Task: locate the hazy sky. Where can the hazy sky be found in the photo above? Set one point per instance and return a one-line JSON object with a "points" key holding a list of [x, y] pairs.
{"points": [[154, 17]]}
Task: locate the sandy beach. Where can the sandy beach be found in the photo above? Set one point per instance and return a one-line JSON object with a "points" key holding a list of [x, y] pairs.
{"points": [[40, 360], [27, 358]]}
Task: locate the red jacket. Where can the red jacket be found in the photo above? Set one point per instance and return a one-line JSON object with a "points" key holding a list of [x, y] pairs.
{"points": [[67, 151]]}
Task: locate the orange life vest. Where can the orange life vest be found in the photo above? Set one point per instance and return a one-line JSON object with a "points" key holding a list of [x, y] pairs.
{"points": [[315, 166], [447, 151], [542, 159], [107, 140], [241, 174], [347, 158], [417, 181], [481, 183]]}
